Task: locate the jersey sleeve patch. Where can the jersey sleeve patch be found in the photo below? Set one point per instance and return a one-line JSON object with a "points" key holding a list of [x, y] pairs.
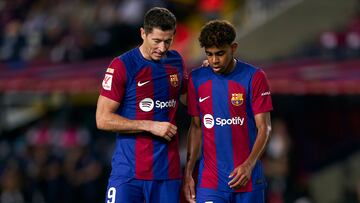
{"points": [[106, 84], [261, 95], [114, 82], [193, 108]]}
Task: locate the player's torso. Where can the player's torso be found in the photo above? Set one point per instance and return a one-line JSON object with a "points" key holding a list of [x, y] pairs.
{"points": [[225, 108], [152, 93], [227, 123]]}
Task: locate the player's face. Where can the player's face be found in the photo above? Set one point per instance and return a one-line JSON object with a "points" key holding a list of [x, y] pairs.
{"points": [[221, 59], [156, 43]]}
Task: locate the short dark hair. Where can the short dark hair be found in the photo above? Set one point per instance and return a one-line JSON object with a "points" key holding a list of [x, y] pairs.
{"points": [[217, 33], [159, 17]]}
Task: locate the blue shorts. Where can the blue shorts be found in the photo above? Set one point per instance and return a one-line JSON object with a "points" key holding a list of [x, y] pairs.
{"points": [[204, 195], [132, 190]]}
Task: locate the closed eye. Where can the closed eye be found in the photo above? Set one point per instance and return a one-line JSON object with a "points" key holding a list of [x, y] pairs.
{"points": [[219, 53]]}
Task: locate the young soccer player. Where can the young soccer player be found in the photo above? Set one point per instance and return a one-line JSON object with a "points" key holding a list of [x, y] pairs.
{"points": [[230, 104]]}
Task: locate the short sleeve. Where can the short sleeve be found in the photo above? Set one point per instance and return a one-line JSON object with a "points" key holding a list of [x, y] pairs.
{"points": [[193, 108], [185, 83], [185, 79], [261, 95], [114, 82]]}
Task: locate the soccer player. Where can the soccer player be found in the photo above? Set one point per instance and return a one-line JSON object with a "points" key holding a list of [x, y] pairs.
{"points": [[138, 100], [230, 105]]}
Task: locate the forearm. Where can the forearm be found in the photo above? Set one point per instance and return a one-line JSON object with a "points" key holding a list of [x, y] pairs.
{"points": [[263, 135], [115, 123], [193, 148], [258, 148]]}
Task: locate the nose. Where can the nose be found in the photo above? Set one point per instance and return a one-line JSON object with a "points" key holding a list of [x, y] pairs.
{"points": [[162, 47], [214, 60]]}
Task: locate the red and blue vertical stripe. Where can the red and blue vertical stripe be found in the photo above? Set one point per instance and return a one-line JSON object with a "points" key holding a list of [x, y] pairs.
{"points": [[142, 155], [225, 147]]}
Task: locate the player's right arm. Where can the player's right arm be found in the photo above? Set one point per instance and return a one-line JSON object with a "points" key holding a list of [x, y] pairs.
{"points": [[107, 119], [193, 149]]}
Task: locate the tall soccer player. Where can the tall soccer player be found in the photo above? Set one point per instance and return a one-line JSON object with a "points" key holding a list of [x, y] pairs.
{"points": [[138, 100], [230, 105]]}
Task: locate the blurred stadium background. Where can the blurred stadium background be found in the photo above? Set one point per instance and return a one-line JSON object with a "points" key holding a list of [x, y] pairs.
{"points": [[53, 55]]}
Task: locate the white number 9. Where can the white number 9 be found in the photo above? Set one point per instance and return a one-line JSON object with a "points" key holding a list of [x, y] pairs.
{"points": [[111, 195]]}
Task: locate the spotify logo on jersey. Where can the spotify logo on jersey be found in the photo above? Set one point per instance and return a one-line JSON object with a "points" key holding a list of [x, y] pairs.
{"points": [[208, 121], [146, 104]]}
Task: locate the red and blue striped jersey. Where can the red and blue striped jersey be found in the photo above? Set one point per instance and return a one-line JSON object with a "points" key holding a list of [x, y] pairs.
{"points": [[146, 90], [226, 105]]}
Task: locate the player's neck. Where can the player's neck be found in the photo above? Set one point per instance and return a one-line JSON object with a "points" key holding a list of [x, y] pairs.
{"points": [[143, 52], [230, 67]]}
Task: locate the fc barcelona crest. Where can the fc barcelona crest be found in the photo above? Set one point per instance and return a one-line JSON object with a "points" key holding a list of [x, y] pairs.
{"points": [[237, 99], [174, 80]]}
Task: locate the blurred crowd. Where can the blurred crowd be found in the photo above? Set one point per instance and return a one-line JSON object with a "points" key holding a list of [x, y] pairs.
{"points": [[54, 161], [67, 30], [73, 30], [40, 31], [338, 43]]}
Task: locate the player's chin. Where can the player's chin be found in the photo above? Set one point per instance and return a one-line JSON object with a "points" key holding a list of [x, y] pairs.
{"points": [[157, 56]]}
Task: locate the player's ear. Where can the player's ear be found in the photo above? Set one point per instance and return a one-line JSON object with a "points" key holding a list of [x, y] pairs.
{"points": [[143, 34], [234, 46]]}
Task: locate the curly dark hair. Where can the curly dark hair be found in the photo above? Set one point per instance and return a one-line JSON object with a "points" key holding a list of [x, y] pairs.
{"points": [[159, 17], [217, 33]]}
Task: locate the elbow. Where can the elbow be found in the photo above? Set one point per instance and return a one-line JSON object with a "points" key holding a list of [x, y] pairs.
{"points": [[100, 123], [268, 131]]}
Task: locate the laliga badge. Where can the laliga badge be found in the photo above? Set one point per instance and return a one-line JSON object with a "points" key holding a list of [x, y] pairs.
{"points": [[106, 84]]}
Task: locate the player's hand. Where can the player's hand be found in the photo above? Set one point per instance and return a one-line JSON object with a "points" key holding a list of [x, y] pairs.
{"points": [[205, 63], [165, 130], [240, 176], [189, 189]]}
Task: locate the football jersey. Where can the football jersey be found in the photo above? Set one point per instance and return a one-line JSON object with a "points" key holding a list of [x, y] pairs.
{"points": [[226, 105], [146, 90]]}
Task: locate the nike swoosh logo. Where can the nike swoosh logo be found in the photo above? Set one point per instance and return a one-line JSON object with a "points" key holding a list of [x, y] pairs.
{"points": [[203, 99], [143, 83]]}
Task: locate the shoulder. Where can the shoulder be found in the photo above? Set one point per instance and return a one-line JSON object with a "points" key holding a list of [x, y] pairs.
{"points": [[173, 54], [200, 75], [132, 61], [252, 69], [128, 56], [116, 63], [200, 71]]}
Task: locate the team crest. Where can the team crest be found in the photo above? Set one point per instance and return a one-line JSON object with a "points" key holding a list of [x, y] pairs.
{"points": [[174, 80], [237, 99]]}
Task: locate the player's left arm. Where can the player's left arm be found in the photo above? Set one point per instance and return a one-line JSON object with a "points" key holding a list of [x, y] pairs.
{"points": [[261, 105], [183, 98], [193, 150], [242, 173]]}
